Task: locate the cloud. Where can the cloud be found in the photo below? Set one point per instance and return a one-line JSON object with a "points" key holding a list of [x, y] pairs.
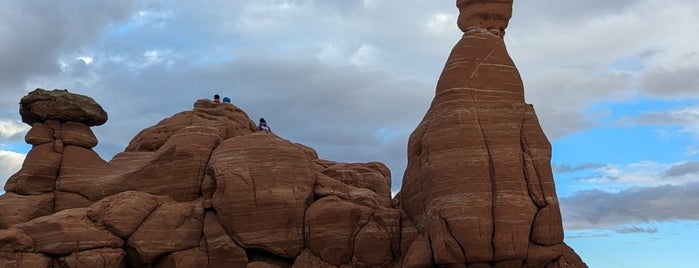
{"points": [[683, 169], [680, 82], [597, 209], [636, 229], [686, 118], [12, 130], [10, 163], [567, 168]]}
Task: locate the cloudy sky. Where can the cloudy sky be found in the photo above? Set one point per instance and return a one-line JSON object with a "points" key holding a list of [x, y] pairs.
{"points": [[615, 85]]}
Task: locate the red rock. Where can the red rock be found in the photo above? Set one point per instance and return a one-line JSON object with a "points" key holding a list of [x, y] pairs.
{"points": [[173, 226], [418, 254], [223, 251], [185, 259], [227, 120], [38, 173], [176, 169], [123, 213], [478, 180], [66, 232], [78, 134], [331, 224], [21, 260], [66, 200], [103, 257], [39, 134], [307, 259], [15, 240], [16, 208], [41, 105], [360, 176], [264, 185]]}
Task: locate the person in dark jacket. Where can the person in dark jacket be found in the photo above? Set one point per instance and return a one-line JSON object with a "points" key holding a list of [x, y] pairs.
{"points": [[263, 125]]}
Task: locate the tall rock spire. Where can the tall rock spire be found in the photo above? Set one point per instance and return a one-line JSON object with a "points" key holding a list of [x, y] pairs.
{"points": [[478, 186]]}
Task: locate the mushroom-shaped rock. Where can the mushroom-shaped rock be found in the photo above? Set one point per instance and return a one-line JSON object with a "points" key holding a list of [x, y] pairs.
{"points": [[41, 105]]}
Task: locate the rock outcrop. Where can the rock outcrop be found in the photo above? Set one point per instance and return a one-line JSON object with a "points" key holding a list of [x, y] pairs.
{"points": [[478, 188], [204, 188]]}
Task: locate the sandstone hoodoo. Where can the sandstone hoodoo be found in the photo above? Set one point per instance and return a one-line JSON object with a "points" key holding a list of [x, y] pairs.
{"points": [[478, 187], [204, 188]]}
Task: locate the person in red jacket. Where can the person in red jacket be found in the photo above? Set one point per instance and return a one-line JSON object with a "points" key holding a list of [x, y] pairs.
{"points": [[217, 99]]}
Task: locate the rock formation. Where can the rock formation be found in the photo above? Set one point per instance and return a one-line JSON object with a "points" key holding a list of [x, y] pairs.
{"points": [[478, 188], [203, 188]]}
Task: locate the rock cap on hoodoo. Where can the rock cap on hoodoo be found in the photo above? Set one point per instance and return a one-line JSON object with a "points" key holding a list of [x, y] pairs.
{"points": [[41, 105], [492, 15]]}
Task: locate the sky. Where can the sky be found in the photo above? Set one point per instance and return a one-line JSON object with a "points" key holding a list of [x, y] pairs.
{"points": [[615, 85]]}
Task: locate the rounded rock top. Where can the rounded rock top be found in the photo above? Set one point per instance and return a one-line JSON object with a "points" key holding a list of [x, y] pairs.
{"points": [[41, 105]]}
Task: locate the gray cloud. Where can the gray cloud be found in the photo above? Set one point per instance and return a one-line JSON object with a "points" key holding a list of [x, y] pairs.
{"points": [[602, 210], [636, 229], [680, 82], [567, 168], [683, 169], [35, 33]]}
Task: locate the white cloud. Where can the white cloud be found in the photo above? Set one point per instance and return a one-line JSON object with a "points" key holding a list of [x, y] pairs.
{"points": [[10, 163], [12, 129], [441, 23], [687, 118]]}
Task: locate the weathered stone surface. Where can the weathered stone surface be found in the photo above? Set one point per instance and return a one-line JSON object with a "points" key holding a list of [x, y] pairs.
{"points": [[41, 105], [173, 226], [66, 232], [176, 169], [490, 15], [264, 185], [38, 173], [103, 257], [16, 208], [185, 259], [226, 120], [331, 224], [478, 180], [123, 213], [66, 200], [367, 176], [21, 260], [15, 240], [78, 134], [39, 134], [223, 251]]}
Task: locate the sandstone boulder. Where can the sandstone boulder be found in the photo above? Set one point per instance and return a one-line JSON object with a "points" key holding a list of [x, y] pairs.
{"points": [[41, 105]]}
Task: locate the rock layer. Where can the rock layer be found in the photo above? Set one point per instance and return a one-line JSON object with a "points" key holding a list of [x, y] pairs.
{"points": [[203, 188]]}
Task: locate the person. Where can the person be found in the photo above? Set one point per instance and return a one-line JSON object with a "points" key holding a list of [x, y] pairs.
{"points": [[226, 100], [263, 125], [217, 99]]}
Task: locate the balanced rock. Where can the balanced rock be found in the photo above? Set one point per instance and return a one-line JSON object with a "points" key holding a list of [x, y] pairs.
{"points": [[41, 105]]}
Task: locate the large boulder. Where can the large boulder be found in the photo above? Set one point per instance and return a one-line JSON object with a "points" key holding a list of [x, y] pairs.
{"points": [[41, 105]]}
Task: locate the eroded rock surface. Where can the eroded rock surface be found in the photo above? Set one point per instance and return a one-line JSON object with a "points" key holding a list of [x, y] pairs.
{"points": [[478, 185]]}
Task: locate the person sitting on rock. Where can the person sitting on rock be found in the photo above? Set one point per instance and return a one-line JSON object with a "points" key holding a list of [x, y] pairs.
{"points": [[217, 99], [226, 100], [263, 125]]}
